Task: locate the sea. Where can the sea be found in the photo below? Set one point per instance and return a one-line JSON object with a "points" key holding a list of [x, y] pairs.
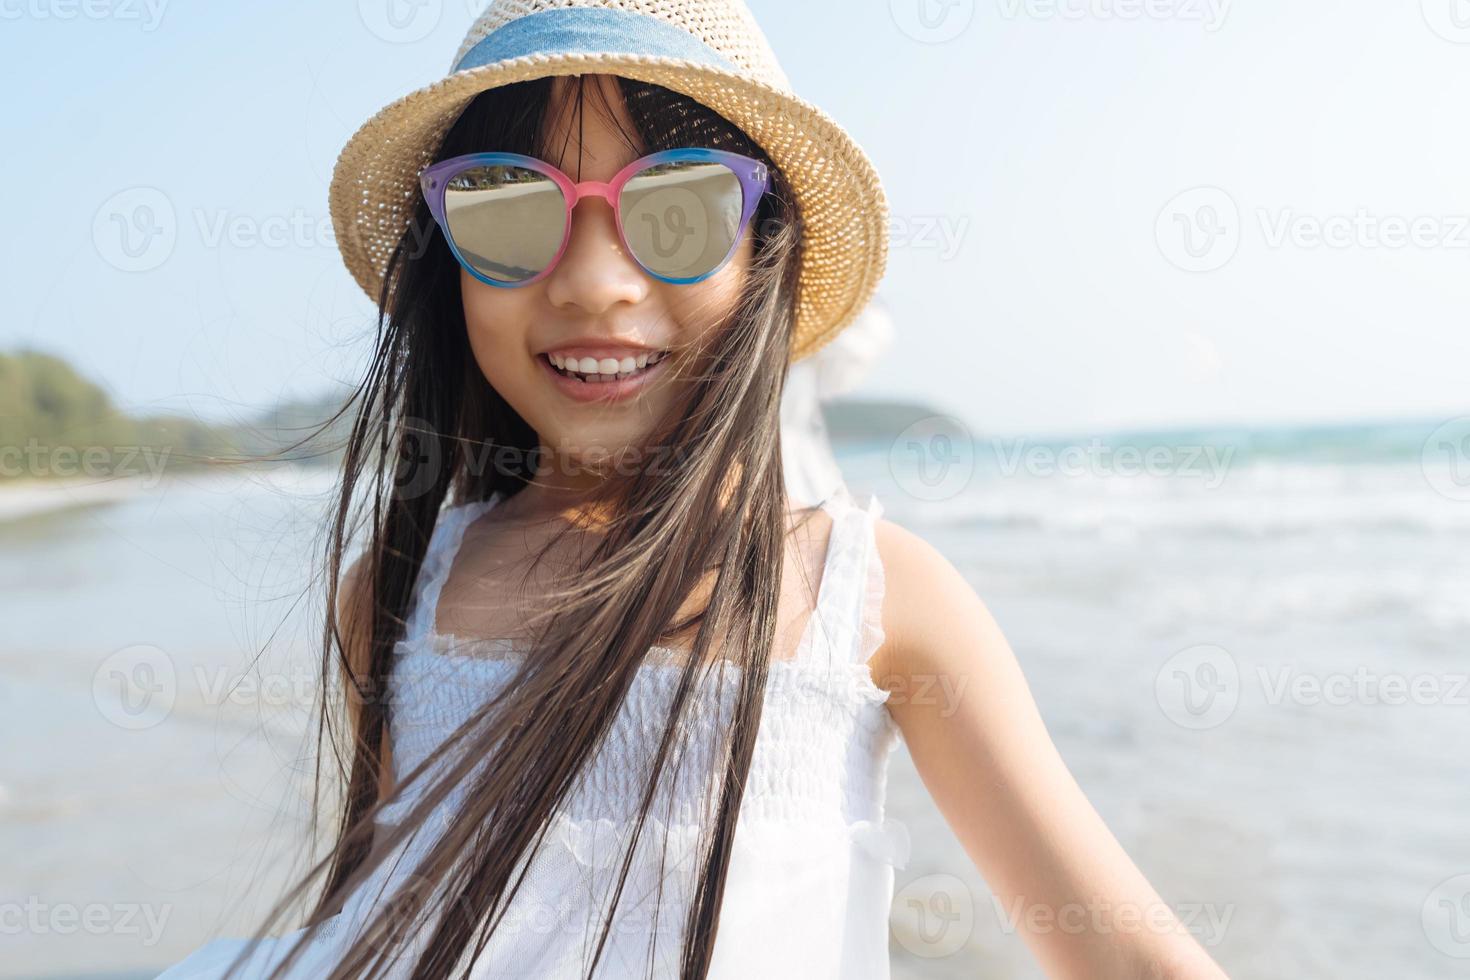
{"points": [[1249, 647]]}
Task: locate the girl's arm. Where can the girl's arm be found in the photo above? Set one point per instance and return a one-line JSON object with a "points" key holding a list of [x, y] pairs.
{"points": [[977, 739], [354, 622]]}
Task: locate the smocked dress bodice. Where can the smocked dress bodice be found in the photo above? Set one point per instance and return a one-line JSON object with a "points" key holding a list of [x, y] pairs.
{"points": [[811, 874]]}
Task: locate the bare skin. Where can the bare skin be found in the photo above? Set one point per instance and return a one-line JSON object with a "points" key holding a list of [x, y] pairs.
{"points": [[990, 765], [984, 755]]}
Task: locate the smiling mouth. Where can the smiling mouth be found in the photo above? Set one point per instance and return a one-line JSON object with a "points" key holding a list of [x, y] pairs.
{"points": [[591, 370]]}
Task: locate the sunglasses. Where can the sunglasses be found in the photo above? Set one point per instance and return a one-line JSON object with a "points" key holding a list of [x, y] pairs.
{"points": [[680, 213]]}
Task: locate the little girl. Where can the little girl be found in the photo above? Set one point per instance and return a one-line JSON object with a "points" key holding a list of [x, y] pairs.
{"points": [[613, 706]]}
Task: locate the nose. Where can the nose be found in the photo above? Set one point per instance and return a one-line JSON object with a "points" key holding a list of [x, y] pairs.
{"points": [[595, 273]]}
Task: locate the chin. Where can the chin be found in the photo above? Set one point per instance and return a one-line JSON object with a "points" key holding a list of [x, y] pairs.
{"points": [[598, 449]]}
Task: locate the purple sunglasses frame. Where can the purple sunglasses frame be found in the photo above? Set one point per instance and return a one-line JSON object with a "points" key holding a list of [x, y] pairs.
{"points": [[753, 175]]}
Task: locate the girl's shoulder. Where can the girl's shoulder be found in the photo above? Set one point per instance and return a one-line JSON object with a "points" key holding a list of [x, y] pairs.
{"points": [[925, 600]]}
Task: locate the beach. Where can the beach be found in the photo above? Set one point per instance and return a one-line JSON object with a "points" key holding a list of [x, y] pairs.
{"points": [[1300, 822]]}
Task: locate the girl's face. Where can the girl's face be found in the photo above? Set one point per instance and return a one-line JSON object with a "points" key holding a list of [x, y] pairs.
{"points": [[597, 303]]}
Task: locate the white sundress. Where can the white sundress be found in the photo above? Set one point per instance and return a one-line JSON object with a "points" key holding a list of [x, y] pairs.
{"points": [[810, 881]]}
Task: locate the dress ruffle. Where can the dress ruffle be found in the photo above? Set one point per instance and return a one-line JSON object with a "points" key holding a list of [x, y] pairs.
{"points": [[874, 586]]}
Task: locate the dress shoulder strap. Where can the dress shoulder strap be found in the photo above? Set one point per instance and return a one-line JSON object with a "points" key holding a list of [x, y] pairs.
{"points": [[444, 544], [847, 621]]}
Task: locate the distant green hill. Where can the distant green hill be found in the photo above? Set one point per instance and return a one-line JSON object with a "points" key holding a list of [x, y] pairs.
{"points": [[854, 420], [54, 422]]}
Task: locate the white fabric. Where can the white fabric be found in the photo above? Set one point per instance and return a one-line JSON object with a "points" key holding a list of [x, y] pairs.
{"points": [[811, 877], [811, 468], [806, 451], [844, 362]]}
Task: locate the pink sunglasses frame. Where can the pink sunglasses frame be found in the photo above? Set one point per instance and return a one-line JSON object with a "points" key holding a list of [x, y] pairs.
{"points": [[434, 182]]}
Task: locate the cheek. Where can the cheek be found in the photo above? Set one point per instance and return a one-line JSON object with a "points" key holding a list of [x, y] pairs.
{"points": [[496, 325], [703, 307]]}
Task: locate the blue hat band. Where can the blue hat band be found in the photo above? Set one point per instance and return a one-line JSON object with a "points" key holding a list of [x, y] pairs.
{"points": [[589, 30]]}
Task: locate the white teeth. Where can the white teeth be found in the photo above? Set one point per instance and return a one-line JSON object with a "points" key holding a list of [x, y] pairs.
{"points": [[606, 368]]}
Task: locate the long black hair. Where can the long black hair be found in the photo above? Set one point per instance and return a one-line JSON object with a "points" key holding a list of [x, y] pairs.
{"points": [[716, 509]]}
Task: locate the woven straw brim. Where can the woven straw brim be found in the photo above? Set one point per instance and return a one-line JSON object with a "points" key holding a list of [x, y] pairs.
{"points": [[844, 212]]}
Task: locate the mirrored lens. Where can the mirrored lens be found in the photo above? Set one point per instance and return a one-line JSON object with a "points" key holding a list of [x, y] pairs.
{"points": [[507, 222], [681, 219]]}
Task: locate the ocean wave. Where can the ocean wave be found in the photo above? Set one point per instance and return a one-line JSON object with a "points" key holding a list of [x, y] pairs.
{"points": [[1255, 501]]}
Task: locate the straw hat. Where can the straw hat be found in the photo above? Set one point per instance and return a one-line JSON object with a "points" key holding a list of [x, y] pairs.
{"points": [[710, 50]]}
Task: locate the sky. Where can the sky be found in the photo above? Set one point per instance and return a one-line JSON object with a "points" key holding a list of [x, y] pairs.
{"points": [[1105, 213]]}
